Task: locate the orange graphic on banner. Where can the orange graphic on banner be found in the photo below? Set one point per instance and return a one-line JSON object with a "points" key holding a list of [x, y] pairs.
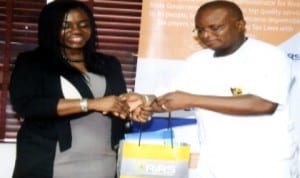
{"points": [[167, 25]]}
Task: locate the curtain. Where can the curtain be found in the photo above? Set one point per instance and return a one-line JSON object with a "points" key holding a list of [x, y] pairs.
{"points": [[118, 23]]}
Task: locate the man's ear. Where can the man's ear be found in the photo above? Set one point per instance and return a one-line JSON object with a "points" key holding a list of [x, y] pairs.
{"points": [[241, 25]]}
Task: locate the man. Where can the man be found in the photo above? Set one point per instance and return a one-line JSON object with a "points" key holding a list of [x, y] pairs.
{"points": [[239, 88]]}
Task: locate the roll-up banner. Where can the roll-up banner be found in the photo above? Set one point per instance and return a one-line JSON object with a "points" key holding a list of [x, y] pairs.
{"points": [[167, 39]]}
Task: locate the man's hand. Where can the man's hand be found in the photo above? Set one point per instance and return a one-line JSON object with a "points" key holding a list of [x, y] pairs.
{"points": [[173, 101]]}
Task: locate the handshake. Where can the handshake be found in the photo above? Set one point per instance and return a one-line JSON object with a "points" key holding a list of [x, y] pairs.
{"points": [[136, 107], [139, 107]]}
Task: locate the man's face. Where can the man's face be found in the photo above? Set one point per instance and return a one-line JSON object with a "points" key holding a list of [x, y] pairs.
{"points": [[218, 30]]}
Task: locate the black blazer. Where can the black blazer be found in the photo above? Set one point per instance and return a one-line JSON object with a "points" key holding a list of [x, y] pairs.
{"points": [[34, 92]]}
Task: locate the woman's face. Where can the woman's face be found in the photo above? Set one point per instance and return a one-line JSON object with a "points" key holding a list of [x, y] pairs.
{"points": [[75, 30]]}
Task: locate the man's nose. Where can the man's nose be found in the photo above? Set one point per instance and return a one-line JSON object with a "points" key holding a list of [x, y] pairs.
{"points": [[205, 34]]}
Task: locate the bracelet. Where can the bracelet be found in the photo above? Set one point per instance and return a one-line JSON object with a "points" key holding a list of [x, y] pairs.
{"points": [[84, 105], [146, 99]]}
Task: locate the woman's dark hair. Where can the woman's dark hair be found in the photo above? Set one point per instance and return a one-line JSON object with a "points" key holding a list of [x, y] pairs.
{"points": [[50, 26]]}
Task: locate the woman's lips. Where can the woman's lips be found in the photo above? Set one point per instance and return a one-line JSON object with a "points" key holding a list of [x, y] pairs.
{"points": [[76, 39]]}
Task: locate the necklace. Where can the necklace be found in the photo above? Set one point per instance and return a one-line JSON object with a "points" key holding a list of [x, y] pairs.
{"points": [[74, 60]]}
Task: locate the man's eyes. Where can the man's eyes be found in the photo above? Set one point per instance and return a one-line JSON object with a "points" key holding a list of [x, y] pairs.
{"points": [[211, 29], [217, 28]]}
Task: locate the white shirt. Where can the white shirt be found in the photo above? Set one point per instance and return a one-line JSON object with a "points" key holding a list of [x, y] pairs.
{"points": [[226, 140]]}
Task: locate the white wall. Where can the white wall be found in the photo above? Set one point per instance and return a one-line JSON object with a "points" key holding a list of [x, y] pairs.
{"points": [[7, 159]]}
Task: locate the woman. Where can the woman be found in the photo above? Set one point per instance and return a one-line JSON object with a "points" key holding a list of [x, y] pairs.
{"points": [[67, 94]]}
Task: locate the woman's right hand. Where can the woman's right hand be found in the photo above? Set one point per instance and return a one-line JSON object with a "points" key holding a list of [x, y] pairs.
{"points": [[140, 106], [110, 104]]}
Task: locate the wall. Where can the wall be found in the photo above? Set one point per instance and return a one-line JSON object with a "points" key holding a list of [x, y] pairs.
{"points": [[7, 158]]}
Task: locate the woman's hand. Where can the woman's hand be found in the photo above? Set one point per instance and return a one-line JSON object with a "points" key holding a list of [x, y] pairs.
{"points": [[110, 104], [140, 106]]}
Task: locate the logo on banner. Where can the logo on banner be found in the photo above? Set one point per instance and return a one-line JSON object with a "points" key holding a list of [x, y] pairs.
{"points": [[294, 56]]}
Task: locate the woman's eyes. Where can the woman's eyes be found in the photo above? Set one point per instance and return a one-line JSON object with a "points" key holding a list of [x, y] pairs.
{"points": [[67, 25], [84, 24]]}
